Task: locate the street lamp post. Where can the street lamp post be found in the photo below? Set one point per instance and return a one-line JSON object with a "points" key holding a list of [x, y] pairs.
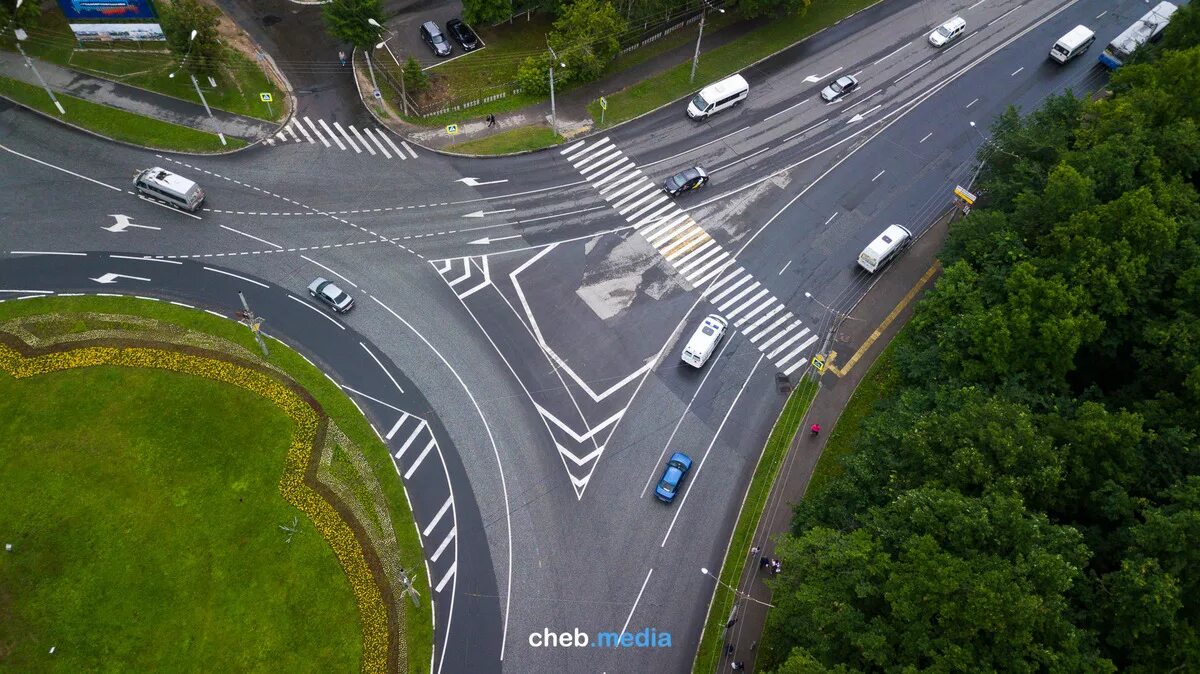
{"points": [[696, 56], [196, 84], [20, 35], [384, 44], [553, 60]]}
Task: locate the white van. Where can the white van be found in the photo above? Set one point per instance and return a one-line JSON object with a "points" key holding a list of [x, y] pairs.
{"points": [[704, 341], [174, 189], [1072, 44], [885, 246], [717, 97], [948, 32]]}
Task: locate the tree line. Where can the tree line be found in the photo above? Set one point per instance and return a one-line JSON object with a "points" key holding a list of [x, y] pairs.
{"points": [[1028, 496]]}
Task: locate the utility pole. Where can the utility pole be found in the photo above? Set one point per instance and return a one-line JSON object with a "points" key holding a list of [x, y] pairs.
{"points": [[253, 322], [699, 36], [206, 108], [21, 35], [553, 60], [371, 68], [384, 44]]}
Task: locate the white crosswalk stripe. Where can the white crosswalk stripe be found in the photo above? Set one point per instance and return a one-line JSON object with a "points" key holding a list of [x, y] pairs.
{"points": [[693, 253], [376, 141]]}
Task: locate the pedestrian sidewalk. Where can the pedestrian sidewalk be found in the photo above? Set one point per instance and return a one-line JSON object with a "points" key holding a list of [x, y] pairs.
{"points": [[136, 100], [571, 104], [865, 333]]}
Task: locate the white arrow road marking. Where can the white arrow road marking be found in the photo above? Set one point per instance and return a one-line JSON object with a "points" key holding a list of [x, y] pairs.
{"points": [[480, 214], [112, 278], [123, 223], [859, 117], [476, 182], [486, 240]]}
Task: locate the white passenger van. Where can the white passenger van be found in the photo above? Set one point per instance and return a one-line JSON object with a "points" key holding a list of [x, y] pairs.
{"points": [[885, 246], [1072, 44], [948, 32], [704, 341], [717, 97], [174, 189]]}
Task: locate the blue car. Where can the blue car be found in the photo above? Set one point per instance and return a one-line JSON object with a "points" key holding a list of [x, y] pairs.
{"points": [[677, 469]]}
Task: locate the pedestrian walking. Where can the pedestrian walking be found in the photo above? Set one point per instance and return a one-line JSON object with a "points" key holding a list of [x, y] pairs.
{"points": [[764, 562], [342, 57], [777, 566], [754, 550], [737, 665], [491, 120], [816, 428]]}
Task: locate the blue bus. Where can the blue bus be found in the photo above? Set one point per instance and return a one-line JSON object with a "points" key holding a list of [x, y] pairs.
{"points": [[1146, 29]]}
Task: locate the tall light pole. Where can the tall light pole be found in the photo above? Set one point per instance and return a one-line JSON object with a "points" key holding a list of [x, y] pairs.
{"points": [[553, 60], [384, 44], [696, 56], [20, 35], [196, 84]]}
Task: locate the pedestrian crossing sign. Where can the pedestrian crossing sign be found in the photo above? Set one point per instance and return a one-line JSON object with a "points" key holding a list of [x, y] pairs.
{"points": [[265, 97], [451, 129], [603, 103], [818, 362]]}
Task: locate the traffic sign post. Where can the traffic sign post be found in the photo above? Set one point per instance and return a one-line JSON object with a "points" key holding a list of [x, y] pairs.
{"points": [[818, 362], [451, 129], [266, 98], [603, 109], [962, 193]]}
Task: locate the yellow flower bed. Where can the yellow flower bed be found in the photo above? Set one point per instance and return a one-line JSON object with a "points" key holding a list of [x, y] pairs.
{"points": [[324, 516]]}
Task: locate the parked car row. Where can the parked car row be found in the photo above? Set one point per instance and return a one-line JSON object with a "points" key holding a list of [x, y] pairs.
{"points": [[433, 36]]}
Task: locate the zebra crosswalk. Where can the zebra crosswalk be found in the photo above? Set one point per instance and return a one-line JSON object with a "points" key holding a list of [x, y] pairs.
{"points": [[704, 263], [375, 143]]}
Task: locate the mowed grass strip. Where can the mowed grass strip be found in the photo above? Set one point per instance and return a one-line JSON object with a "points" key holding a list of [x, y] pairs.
{"points": [[417, 627], [118, 124], [709, 652], [521, 139], [724, 60], [145, 514]]}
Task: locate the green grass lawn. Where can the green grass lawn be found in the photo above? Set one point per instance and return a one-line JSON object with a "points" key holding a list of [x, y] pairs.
{"points": [[417, 622], [144, 508], [148, 65], [725, 60], [118, 124], [505, 142], [880, 382], [738, 553]]}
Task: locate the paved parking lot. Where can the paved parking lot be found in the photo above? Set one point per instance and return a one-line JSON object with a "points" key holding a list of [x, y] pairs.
{"points": [[404, 19]]}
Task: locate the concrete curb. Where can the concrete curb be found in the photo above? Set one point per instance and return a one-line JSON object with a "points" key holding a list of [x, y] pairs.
{"points": [[126, 143], [606, 129]]}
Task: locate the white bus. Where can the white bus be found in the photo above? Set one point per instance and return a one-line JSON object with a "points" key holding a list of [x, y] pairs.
{"points": [[1146, 29]]}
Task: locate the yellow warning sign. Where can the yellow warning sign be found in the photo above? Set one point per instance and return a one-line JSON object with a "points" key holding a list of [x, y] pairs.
{"points": [[962, 193], [818, 362]]}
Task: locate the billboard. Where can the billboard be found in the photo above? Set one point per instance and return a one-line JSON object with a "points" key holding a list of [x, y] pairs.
{"points": [[106, 10], [105, 32]]}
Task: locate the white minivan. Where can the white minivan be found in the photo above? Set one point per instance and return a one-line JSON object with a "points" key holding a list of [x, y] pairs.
{"points": [[161, 184], [948, 32], [885, 247], [717, 97], [1072, 44], [704, 341]]}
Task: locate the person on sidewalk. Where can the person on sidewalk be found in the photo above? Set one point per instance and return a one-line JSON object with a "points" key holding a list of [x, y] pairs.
{"points": [[816, 428], [342, 58], [737, 665], [491, 120], [764, 562]]}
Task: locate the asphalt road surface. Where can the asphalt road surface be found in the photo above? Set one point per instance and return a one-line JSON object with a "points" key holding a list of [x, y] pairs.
{"points": [[532, 309]]}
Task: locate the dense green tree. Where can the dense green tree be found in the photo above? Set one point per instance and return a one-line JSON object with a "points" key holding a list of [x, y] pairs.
{"points": [[1184, 29], [202, 54], [415, 79], [486, 12], [350, 21], [585, 38], [27, 15]]}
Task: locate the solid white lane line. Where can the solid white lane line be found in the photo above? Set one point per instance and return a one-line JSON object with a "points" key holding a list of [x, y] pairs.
{"points": [[329, 270], [387, 137], [241, 278], [437, 518], [340, 144], [878, 174], [895, 52], [788, 109], [635, 604], [314, 130], [59, 168], [926, 137], [353, 145], [901, 78], [1004, 15], [396, 426], [144, 259], [381, 367], [320, 312], [420, 457], [365, 144], [972, 102], [1014, 73], [252, 237]]}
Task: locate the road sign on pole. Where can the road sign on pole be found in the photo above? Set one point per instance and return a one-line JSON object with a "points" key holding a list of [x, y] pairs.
{"points": [[962, 193], [265, 97], [451, 129], [603, 109], [818, 362]]}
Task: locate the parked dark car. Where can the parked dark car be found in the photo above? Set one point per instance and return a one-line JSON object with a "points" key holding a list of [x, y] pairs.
{"points": [[462, 34], [677, 469], [691, 179], [330, 295], [433, 36]]}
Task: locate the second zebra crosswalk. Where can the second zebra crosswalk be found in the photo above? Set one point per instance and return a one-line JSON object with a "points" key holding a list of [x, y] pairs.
{"points": [[376, 143], [749, 305]]}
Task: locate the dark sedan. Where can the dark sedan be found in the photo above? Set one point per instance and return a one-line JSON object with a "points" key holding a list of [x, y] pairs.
{"points": [[684, 181], [462, 34]]}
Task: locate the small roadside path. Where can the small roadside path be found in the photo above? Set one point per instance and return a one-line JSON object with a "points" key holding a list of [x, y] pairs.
{"points": [[134, 99], [866, 332]]}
